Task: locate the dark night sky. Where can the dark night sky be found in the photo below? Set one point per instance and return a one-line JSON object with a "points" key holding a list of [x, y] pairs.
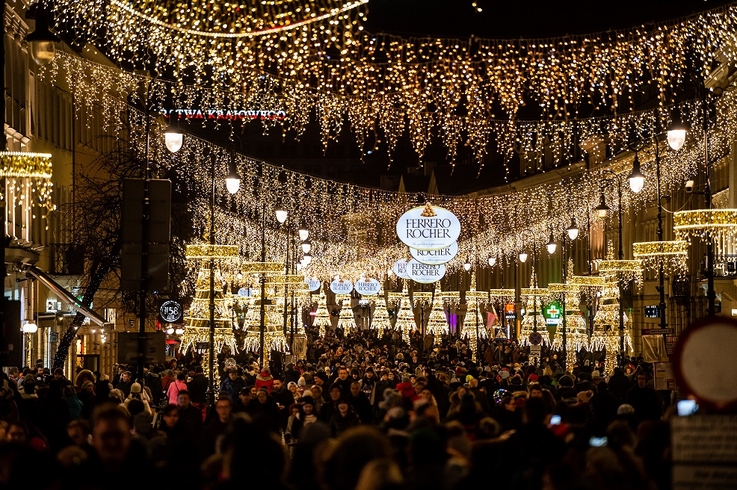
{"points": [[523, 18]]}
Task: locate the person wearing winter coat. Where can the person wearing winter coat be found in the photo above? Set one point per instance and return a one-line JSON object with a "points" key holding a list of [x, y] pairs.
{"points": [[343, 419], [265, 380]]}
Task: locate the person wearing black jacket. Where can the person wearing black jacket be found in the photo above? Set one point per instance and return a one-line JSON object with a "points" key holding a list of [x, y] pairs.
{"points": [[197, 388], [361, 404], [190, 417], [284, 399]]}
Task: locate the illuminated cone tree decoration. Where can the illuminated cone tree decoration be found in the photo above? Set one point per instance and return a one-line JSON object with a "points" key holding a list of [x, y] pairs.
{"points": [[606, 335], [534, 322], [380, 318], [437, 323], [405, 317], [197, 319], [347, 318], [322, 316], [473, 327]]}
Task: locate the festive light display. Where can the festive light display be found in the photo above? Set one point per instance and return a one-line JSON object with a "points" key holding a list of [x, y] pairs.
{"points": [[421, 300], [327, 65], [347, 318], [197, 318], [405, 322], [606, 334], [672, 254], [473, 326], [718, 223], [27, 179], [625, 270], [322, 316], [504, 213], [380, 318], [533, 320], [437, 323]]}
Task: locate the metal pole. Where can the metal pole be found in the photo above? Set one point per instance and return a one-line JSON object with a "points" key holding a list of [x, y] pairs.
{"points": [[286, 272], [262, 279], [563, 306], [211, 343], [620, 282], [145, 223], [3, 147], [534, 296], [661, 275], [710, 293]]}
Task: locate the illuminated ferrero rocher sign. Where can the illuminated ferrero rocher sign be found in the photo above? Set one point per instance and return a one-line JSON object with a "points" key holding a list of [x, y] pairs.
{"points": [[400, 268], [425, 273], [428, 228], [439, 256], [341, 287], [367, 287]]}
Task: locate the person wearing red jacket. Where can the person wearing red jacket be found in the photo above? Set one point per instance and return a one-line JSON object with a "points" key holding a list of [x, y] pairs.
{"points": [[265, 380]]}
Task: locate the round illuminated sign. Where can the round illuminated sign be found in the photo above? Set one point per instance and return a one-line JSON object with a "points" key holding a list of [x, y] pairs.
{"points": [[439, 256], [425, 273], [171, 311], [341, 287], [428, 228], [400, 269], [367, 287], [703, 360], [313, 284]]}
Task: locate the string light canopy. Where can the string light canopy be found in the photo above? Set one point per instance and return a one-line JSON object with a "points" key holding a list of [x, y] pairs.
{"points": [[672, 254], [302, 60]]}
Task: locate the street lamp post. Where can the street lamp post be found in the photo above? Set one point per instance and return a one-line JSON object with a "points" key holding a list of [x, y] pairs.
{"points": [[572, 234], [675, 140], [601, 211], [173, 141]]}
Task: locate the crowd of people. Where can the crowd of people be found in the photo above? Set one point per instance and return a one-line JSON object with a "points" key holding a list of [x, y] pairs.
{"points": [[358, 412]]}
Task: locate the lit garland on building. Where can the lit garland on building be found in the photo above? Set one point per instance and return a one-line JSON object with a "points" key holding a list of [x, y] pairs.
{"points": [[27, 177], [717, 223], [672, 254]]}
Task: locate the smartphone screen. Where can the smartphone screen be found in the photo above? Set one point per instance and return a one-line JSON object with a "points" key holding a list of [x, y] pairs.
{"points": [[686, 407], [555, 420], [598, 441]]}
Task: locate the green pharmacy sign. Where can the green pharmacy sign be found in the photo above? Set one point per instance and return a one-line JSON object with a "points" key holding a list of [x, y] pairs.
{"points": [[553, 314]]}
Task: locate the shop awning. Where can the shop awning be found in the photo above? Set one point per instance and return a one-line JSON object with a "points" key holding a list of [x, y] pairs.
{"points": [[50, 283]]}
